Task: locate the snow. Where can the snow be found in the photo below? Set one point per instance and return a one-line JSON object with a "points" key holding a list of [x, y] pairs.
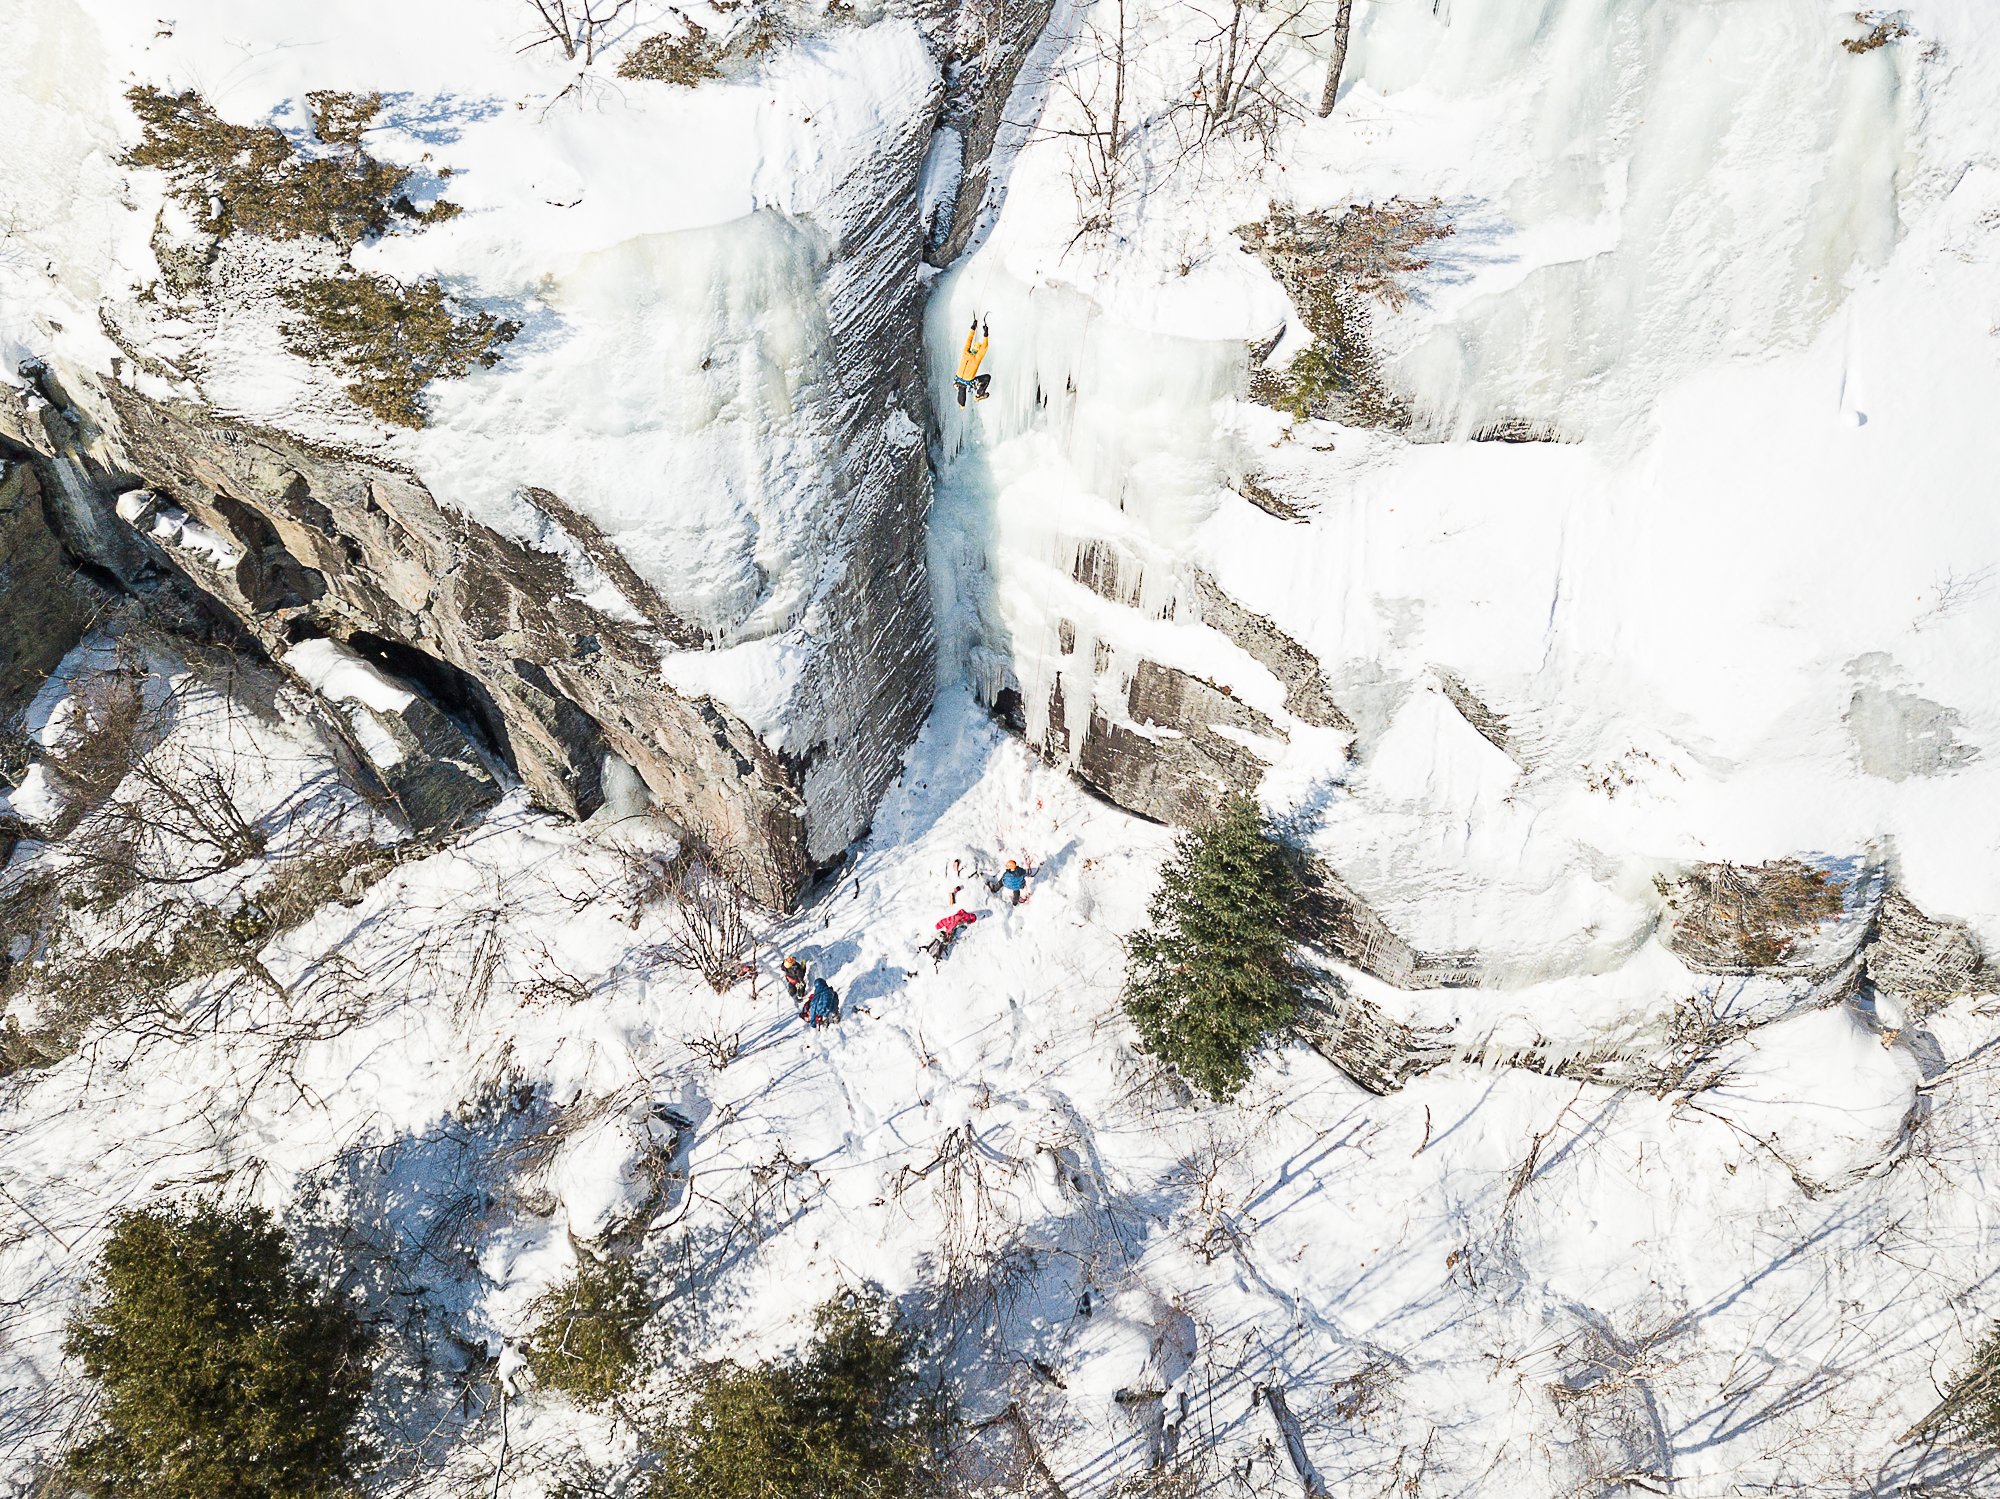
{"points": [[1157, 1248], [335, 672], [1724, 620]]}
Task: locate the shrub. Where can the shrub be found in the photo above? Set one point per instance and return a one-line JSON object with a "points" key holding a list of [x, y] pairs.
{"points": [[393, 339], [684, 60], [1970, 1410], [1884, 28], [225, 1374], [250, 178], [1213, 976], [844, 1421], [586, 1337], [695, 57], [1332, 267]]}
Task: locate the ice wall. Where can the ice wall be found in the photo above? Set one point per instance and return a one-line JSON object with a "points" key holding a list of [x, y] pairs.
{"points": [[1069, 502], [1702, 182]]}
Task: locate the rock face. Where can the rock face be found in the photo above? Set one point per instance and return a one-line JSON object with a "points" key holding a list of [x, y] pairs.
{"points": [[300, 543], [1920, 959], [553, 648], [1156, 737], [984, 48], [414, 751], [43, 605]]}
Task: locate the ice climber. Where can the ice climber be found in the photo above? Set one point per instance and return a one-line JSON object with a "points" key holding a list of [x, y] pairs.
{"points": [[795, 979], [823, 1008], [969, 378], [948, 930]]}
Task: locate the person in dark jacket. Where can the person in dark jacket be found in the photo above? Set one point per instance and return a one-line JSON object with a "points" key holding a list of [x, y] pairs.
{"points": [[823, 1008], [948, 930], [797, 980]]}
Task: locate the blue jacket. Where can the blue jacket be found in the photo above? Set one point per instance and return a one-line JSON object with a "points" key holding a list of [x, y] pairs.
{"points": [[1014, 879], [824, 1004]]}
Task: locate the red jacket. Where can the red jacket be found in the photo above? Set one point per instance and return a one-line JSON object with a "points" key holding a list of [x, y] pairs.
{"points": [[957, 919]]}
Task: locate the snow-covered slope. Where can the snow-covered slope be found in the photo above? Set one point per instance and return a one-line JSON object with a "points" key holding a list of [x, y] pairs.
{"points": [[1493, 1282], [1592, 1182]]}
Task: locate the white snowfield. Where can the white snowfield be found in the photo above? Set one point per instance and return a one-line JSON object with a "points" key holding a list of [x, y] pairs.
{"points": [[1745, 610]]}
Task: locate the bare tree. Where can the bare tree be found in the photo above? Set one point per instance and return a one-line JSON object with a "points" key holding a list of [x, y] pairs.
{"points": [[708, 930], [1236, 80], [1103, 133], [1337, 64], [576, 26]]}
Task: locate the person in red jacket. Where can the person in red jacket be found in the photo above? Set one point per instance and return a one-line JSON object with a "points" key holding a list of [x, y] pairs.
{"points": [[948, 930]]}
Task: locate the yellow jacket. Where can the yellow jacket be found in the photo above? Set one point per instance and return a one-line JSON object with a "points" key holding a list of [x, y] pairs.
{"points": [[975, 350]]}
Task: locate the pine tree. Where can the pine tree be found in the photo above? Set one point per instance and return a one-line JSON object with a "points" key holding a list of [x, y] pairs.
{"points": [[225, 1374], [1213, 976], [586, 1340], [846, 1421]]}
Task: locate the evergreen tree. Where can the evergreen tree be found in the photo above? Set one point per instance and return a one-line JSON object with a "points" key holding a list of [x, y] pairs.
{"points": [[225, 1374], [845, 1421], [586, 1339], [1213, 976]]}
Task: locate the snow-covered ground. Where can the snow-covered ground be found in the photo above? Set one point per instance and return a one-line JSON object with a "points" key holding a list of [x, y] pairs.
{"points": [[1494, 1282], [1745, 611]]}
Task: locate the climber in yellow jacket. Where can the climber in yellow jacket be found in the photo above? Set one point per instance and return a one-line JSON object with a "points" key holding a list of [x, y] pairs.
{"points": [[969, 378]]}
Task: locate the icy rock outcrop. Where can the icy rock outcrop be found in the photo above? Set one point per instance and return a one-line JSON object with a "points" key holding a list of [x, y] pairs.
{"points": [[715, 568], [330, 544], [1069, 506], [414, 750], [1919, 959], [984, 49]]}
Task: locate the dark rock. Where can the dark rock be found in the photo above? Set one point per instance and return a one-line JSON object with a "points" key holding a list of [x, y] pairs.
{"points": [[45, 607], [1181, 772], [1489, 725], [1308, 694]]}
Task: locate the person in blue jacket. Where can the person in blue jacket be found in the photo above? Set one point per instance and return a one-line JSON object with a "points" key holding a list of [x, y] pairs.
{"points": [[1013, 883], [823, 1005]]}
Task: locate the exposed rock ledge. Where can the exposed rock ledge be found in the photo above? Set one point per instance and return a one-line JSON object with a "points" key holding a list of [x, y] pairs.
{"points": [[325, 544]]}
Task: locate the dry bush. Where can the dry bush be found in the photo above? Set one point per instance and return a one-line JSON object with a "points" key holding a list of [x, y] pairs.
{"points": [[717, 1048], [1884, 27], [1749, 916], [1332, 267], [107, 731], [685, 60], [695, 56], [708, 923], [575, 27], [391, 338], [178, 824], [1697, 1036], [342, 119], [250, 179], [1969, 1414], [127, 978]]}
